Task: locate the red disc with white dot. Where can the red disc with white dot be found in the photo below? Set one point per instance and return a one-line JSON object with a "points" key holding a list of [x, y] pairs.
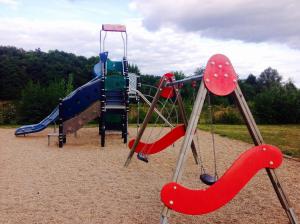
{"points": [[167, 92], [219, 75]]}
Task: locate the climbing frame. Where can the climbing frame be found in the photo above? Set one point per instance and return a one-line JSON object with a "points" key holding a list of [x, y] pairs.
{"points": [[166, 92]]}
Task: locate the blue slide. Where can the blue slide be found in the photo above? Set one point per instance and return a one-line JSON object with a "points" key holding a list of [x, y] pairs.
{"points": [[76, 102], [27, 129]]}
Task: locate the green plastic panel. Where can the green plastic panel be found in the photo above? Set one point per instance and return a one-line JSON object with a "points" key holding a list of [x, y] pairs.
{"points": [[114, 66], [113, 118], [114, 82]]}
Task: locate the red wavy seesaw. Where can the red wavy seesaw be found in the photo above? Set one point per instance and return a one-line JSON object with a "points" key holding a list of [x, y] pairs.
{"points": [[161, 144], [197, 202]]}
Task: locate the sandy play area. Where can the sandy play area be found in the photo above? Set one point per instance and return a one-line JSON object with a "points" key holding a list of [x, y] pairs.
{"points": [[82, 183]]}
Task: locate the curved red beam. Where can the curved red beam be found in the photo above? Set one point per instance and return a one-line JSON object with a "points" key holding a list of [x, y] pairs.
{"points": [[197, 202], [162, 143]]}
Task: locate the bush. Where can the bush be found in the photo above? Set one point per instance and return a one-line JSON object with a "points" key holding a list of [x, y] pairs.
{"points": [[37, 101], [225, 115], [8, 113], [278, 105]]}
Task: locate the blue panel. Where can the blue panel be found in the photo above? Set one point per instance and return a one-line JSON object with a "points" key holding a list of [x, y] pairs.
{"points": [[80, 99], [97, 69], [103, 56]]}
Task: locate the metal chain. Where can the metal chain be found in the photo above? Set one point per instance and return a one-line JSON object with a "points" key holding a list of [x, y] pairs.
{"points": [[169, 113], [202, 168], [212, 134], [138, 116]]}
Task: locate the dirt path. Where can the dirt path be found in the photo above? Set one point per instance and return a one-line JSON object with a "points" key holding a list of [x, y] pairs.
{"points": [[83, 184]]}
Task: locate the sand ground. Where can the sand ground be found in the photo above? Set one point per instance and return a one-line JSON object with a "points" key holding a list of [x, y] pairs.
{"points": [[82, 183]]}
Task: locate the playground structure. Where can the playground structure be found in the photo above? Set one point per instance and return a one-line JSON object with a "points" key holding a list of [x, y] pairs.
{"points": [[105, 97], [219, 79], [144, 149]]}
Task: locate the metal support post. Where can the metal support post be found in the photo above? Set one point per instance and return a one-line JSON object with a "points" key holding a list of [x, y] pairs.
{"points": [[126, 99], [189, 134], [185, 122], [60, 125], [102, 104]]}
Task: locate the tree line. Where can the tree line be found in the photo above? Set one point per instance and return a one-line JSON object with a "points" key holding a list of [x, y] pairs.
{"points": [[31, 82]]}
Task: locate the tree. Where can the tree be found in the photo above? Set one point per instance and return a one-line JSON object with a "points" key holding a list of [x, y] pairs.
{"points": [[269, 77], [133, 68], [199, 71], [251, 80], [18, 67], [37, 101], [278, 105], [69, 85], [249, 87], [179, 75]]}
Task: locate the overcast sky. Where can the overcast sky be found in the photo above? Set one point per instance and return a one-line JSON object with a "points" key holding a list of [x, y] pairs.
{"points": [[164, 35]]}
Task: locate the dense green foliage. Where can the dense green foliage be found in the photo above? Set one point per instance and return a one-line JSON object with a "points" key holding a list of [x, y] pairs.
{"points": [[18, 67], [31, 82], [37, 101], [271, 100]]}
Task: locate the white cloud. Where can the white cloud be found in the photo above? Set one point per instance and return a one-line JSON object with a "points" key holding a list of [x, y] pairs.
{"points": [[248, 20], [155, 52], [72, 36], [11, 3], [166, 50], [132, 6]]}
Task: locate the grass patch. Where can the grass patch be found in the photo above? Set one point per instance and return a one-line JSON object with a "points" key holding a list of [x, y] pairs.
{"points": [[286, 137], [9, 126]]}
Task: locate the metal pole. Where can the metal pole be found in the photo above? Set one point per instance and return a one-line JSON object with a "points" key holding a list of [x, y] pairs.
{"points": [[138, 85], [188, 79], [185, 122], [60, 125], [189, 134], [102, 104], [126, 99]]}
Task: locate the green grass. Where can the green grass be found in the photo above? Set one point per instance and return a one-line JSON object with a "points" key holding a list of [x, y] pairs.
{"points": [[9, 126], [286, 137]]}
